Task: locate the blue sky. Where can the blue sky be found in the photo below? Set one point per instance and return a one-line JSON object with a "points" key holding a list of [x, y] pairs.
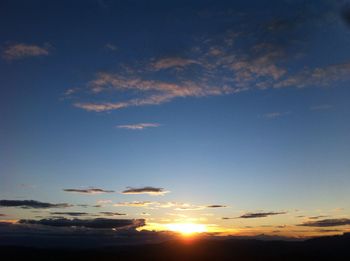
{"points": [[240, 104]]}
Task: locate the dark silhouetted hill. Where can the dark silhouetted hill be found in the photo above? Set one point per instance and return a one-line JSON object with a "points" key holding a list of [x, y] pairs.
{"points": [[323, 248]]}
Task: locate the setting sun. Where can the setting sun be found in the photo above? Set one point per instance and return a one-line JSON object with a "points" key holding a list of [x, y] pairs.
{"points": [[187, 228]]}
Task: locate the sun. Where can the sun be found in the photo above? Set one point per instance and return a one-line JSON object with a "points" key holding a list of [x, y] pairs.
{"points": [[187, 229]]}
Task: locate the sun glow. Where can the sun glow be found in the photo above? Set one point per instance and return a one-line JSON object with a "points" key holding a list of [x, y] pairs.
{"points": [[187, 228]]}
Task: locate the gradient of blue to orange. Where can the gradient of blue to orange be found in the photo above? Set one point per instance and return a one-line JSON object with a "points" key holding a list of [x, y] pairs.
{"points": [[274, 137]]}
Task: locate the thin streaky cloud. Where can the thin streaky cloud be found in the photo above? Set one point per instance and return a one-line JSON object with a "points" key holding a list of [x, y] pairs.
{"points": [[216, 206], [111, 47], [145, 190], [21, 50], [166, 63], [261, 214], [73, 214], [256, 215], [138, 126], [134, 204], [274, 115], [88, 191], [159, 205], [150, 92], [188, 207], [31, 204], [320, 76]]}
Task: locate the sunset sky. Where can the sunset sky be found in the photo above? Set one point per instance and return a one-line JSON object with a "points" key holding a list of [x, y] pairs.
{"points": [[232, 115]]}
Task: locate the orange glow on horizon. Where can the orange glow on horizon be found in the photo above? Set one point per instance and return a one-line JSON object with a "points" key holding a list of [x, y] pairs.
{"points": [[12, 221]]}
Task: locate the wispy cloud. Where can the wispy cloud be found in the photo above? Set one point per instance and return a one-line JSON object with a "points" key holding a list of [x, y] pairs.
{"points": [[149, 92], [327, 222], [172, 62], [89, 190], [138, 126], [21, 50], [320, 76], [186, 207], [31, 204], [134, 204], [145, 190], [274, 115], [211, 67], [159, 205], [111, 47]]}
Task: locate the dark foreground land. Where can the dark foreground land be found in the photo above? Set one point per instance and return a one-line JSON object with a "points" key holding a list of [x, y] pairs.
{"points": [[325, 248]]}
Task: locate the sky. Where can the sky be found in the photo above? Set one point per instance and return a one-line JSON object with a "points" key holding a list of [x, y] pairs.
{"points": [[230, 116]]}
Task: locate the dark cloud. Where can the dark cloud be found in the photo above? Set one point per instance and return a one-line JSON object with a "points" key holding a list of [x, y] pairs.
{"points": [[89, 190], [216, 206], [25, 234], [87, 223], [261, 214], [327, 222], [2, 215], [145, 190], [31, 204], [74, 214], [107, 213]]}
